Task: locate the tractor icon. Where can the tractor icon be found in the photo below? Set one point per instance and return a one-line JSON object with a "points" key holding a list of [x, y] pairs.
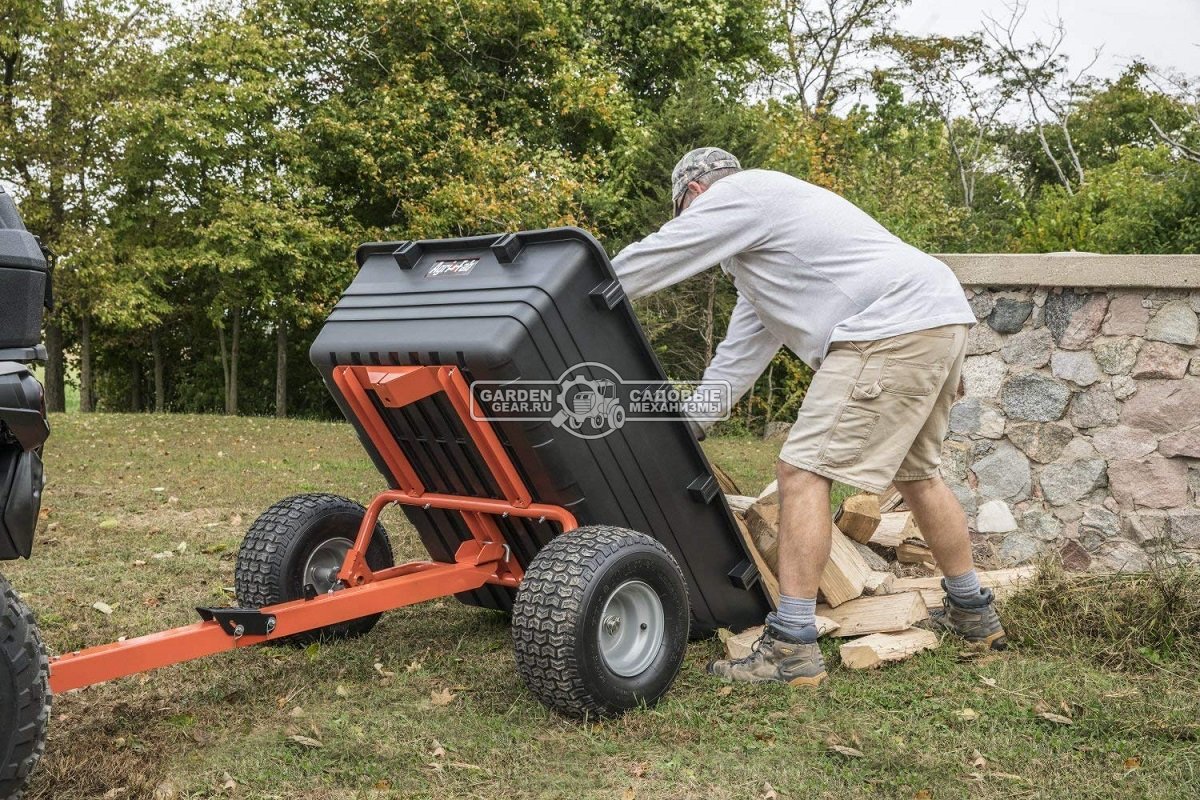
{"points": [[594, 402]]}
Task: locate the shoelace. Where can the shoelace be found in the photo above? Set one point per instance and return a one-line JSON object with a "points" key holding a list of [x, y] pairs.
{"points": [[754, 650]]}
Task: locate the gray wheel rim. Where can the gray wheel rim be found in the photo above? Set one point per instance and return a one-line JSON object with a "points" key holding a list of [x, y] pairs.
{"points": [[632, 626], [324, 563]]}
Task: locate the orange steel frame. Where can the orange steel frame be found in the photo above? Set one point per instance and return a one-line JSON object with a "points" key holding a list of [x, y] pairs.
{"points": [[483, 559]]}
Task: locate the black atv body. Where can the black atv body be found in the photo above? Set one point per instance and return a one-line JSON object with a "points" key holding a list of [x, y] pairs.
{"points": [[24, 293]]}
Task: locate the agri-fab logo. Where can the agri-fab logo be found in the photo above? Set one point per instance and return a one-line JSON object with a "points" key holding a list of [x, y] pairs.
{"points": [[590, 400]]}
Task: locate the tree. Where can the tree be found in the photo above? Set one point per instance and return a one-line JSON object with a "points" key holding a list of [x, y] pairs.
{"points": [[65, 69], [1039, 73], [952, 76], [826, 47]]}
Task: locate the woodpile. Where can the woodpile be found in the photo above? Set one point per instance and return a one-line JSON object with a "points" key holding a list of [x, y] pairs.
{"points": [[874, 609]]}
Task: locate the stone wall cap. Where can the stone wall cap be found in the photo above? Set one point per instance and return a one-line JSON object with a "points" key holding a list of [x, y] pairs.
{"points": [[1075, 269]]}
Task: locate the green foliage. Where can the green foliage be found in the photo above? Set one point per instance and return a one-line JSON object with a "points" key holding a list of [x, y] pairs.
{"points": [[1147, 201]]}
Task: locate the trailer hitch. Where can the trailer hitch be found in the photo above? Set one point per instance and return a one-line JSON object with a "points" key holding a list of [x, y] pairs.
{"points": [[239, 622]]}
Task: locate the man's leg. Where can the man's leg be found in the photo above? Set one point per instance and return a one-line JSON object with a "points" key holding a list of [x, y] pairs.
{"points": [[942, 522], [968, 609], [805, 523], [788, 651]]}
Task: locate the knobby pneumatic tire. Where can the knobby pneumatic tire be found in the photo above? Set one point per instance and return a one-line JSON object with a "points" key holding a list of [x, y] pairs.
{"points": [[600, 622], [301, 540], [24, 693]]}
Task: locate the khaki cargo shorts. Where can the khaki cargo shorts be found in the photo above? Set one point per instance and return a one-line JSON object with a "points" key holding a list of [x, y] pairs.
{"points": [[878, 411]]}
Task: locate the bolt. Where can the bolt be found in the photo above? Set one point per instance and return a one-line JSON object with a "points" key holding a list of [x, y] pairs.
{"points": [[644, 626], [611, 624]]}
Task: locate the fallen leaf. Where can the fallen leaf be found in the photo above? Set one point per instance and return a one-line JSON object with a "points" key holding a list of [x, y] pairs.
{"points": [[139, 563], [628, 794], [413, 666], [228, 782], [102, 607], [105, 525], [639, 769], [842, 750], [159, 489], [181, 547], [306, 741], [163, 554], [978, 761], [725, 691], [341, 691], [923, 794], [1056, 718], [1132, 763], [296, 712], [441, 697], [723, 634], [967, 714], [988, 682], [383, 673], [1041, 707], [438, 750], [1007, 776], [768, 792]]}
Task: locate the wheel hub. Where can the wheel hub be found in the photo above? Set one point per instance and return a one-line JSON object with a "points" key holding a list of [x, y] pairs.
{"points": [[632, 628], [325, 562]]}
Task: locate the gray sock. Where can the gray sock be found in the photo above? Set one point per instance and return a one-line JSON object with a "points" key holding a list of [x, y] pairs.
{"points": [[964, 588], [796, 617]]}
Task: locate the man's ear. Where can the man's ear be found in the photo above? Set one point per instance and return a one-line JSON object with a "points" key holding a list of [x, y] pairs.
{"points": [[697, 188]]}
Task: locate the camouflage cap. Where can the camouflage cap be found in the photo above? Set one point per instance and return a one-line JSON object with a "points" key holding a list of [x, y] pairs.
{"points": [[695, 165]]}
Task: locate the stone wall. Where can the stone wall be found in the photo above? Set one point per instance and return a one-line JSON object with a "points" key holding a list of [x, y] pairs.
{"points": [[1079, 429]]}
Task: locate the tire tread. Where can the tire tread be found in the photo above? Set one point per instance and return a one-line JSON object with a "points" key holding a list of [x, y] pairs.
{"points": [[260, 560], [22, 651], [547, 615]]}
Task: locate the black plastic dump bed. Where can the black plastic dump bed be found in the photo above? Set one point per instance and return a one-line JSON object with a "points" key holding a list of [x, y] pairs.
{"points": [[532, 307]]}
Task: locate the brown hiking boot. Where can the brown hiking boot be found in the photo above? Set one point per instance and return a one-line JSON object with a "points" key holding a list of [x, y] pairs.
{"points": [[976, 622], [775, 658]]}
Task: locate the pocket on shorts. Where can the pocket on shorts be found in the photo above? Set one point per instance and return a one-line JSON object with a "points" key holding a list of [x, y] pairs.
{"points": [[912, 378], [849, 436]]}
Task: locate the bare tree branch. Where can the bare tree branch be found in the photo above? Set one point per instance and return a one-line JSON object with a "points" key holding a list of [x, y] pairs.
{"points": [[1038, 72], [1184, 150]]}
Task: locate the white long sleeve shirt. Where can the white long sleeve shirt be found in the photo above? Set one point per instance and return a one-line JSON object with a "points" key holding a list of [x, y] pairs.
{"points": [[810, 268]]}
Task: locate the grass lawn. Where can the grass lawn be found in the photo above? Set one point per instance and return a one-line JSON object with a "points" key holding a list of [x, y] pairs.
{"points": [[130, 489]]}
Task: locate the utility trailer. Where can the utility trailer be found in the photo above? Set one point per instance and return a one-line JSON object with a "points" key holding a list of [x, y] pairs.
{"points": [[607, 543]]}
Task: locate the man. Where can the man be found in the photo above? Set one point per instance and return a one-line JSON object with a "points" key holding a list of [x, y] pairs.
{"points": [[883, 325]]}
